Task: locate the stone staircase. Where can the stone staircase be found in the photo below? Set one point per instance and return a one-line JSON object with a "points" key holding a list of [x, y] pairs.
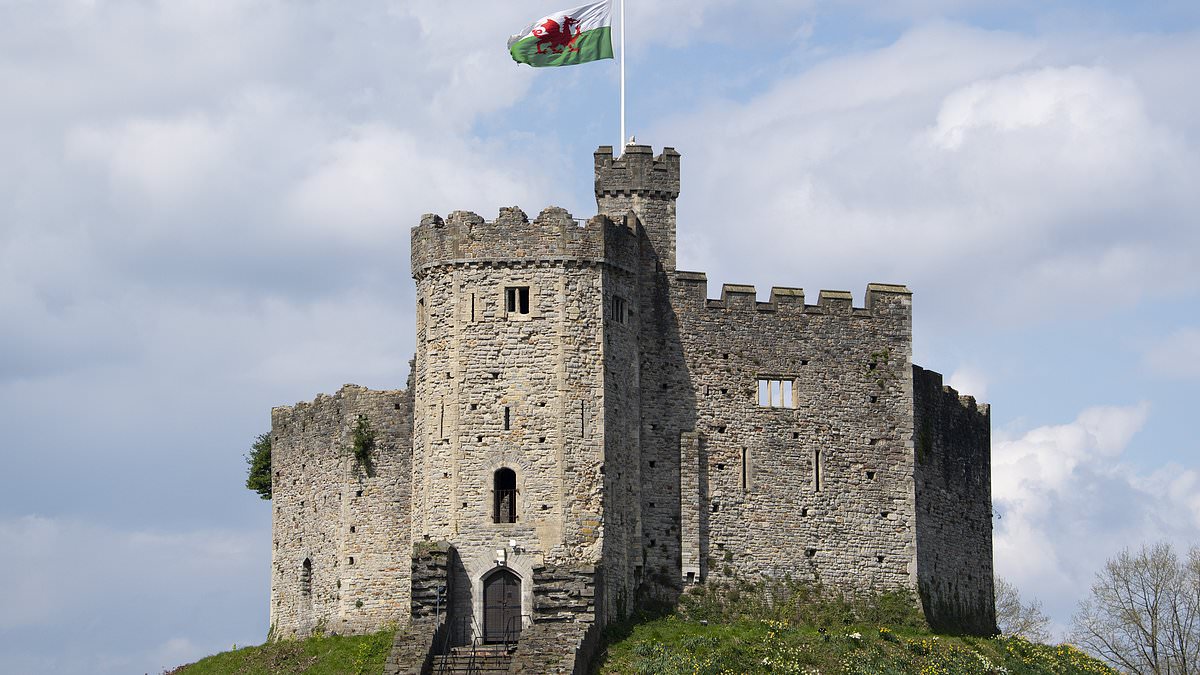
{"points": [[474, 660]]}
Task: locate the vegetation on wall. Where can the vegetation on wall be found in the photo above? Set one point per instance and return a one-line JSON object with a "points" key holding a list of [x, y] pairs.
{"points": [[258, 477], [362, 443]]}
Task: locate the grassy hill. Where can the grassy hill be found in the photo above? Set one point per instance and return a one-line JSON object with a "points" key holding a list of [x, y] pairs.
{"points": [[321, 655], [730, 628], [671, 646], [793, 627]]}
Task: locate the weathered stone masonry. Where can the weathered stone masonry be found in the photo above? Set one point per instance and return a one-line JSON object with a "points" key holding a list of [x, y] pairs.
{"points": [[586, 426]]}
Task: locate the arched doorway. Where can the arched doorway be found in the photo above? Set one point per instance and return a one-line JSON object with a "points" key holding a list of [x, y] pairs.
{"points": [[501, 607]]}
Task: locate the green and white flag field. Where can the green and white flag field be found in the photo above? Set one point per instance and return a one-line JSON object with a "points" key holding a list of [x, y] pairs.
{"points": [[566, 38]]}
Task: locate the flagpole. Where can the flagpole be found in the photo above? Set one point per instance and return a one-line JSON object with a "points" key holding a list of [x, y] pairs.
{"points": [[621, 145]]}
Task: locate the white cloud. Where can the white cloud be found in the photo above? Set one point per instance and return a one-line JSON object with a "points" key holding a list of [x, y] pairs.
{"points": [[1177, 355], [971, 381], [131, 589], [1069, 498], [997, 179], [160, 161], [373, 180]]}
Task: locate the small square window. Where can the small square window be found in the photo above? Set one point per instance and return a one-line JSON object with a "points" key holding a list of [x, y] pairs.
{"points": [[516, 299]]}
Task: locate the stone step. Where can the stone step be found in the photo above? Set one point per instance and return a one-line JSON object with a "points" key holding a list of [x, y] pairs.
{"points": [[467, 663]]}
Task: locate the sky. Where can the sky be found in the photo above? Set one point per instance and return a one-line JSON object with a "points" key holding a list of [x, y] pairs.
{"points": [[205, 206]]}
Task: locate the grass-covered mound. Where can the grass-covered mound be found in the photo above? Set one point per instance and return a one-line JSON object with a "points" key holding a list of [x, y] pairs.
{"points": [[787, 627], [319, 655]]}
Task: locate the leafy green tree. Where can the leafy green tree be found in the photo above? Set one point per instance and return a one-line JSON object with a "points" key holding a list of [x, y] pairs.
{"points": [[259, 462]]}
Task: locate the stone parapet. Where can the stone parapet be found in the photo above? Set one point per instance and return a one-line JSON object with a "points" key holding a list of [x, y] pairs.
{"points": [[880, 298], [554, 237]]}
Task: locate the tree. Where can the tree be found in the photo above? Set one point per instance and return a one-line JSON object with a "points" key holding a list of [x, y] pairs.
{"points": [[259, 462], [1143, 614], [1017, 618]]}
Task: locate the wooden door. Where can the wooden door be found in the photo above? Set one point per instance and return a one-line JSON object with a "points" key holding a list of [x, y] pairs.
{"points": [[501, 607]]}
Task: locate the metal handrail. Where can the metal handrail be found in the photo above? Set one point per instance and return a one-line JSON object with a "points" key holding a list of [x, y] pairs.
{"points": [[510, 632]]}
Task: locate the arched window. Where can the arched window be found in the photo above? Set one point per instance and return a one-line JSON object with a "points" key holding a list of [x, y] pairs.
{"points": [[504, 495], [306, 578]]}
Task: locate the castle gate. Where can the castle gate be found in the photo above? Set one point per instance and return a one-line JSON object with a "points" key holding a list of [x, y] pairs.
{"points": [[501, 607]]}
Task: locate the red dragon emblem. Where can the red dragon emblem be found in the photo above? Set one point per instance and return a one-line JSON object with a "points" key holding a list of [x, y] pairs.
{"points": [[557, 38]]}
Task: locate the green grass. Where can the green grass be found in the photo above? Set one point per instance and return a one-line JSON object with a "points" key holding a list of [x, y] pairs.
{"points": [[321, 655], [786, 626], [675, 646]]}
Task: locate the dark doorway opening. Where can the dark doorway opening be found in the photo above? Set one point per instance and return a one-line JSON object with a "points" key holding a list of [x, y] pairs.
{"points": [[501, 607]]}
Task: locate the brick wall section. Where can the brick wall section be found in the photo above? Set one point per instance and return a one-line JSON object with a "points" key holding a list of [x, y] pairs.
{"points": [[414, 646], [762, 509], [954, 507], [556, 648], [326, 509]]}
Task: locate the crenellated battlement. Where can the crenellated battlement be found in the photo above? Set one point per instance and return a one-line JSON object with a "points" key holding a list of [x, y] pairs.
{"points": [[880, 298], [637, 172], [934, 381], [465, 237]]}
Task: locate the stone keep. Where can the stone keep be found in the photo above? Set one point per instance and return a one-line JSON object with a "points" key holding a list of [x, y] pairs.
{"points": [[585, 430]]}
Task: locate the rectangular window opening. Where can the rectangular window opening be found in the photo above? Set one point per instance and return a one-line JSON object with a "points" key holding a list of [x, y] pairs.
{"points": [[507, 419], [472, 308], [776, 393], [516, 299], [817, 470], [618, 310]]}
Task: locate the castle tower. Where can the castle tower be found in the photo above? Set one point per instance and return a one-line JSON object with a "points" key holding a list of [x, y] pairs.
{"points": [[647, 185], [525, 365], [586, 431]]}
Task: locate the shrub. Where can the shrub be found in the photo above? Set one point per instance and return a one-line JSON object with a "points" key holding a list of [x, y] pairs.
{"points": [[258, 478]]}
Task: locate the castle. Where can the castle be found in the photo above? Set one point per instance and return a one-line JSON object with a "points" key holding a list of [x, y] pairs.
{"points": [[585, 430]]}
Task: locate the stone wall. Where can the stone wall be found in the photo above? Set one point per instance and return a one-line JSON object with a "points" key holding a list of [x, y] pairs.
{"points": [[954, 507], [820, 486], [626, 402], [647, 185], [530, 389], [350, 525]]}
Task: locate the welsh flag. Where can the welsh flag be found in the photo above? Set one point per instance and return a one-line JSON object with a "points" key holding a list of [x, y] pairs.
{"points": [[566, 38]]}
